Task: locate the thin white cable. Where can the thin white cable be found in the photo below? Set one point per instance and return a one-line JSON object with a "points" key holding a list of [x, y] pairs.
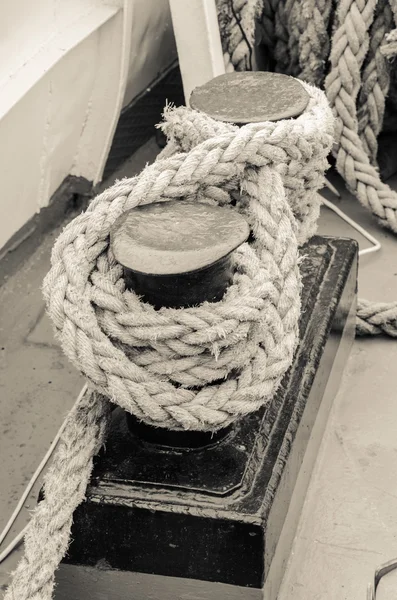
{"points": [[376, 244], [30, 485], [331, 187]]}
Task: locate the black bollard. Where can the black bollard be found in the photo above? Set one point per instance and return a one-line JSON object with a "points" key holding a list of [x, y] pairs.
{"points": [[216, 518], [177, 254], [251, 97]]}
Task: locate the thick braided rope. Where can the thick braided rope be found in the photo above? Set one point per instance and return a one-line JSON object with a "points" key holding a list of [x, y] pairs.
{"points": [[375, 82], [95, 316], [48, 536], [254, 329], [376, 318], [308, 23], [389, 47], [313, 20], [237, 26], [65, 484], [296, 148], [349, 47]]}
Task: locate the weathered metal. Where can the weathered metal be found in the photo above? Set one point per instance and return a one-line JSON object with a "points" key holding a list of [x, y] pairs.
{"points": [[248, 97]]}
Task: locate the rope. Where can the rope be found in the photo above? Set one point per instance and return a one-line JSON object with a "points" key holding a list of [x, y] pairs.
{"points": [[65, 483], [237, 26], [375, 82], [375, 318], [165, 366], [349, 47], [360, 29], [297, 36], [147, 361], [314, 42], [301, 162], [87, 302]]}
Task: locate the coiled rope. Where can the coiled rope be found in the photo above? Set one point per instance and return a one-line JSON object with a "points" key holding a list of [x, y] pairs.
{"points": [[342, 87], [375, 82], [349, 46], [148, 361]]}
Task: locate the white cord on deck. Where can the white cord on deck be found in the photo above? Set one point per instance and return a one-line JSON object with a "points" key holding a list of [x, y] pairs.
{"points": [[376, 245], [7, 551]]}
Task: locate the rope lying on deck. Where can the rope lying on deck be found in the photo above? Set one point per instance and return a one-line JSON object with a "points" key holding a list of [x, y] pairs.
{"points": [[253, 329], [354, 40]]}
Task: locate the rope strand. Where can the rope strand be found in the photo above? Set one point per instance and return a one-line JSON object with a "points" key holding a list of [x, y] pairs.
{"points": [[148, 361], [158, 364]]}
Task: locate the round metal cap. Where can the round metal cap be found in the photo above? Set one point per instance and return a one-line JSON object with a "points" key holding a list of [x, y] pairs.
{"points": [[175, 237], [250, 97]]}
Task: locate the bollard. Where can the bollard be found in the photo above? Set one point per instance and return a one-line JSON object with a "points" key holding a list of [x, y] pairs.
{"points": [[177, 254], [250, 97], [187, 514]]}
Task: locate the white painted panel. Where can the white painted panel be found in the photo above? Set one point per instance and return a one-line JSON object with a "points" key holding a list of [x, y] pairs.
{"points": [[40, 135], [106, 93], [69, 67], [18, 83], [27, 27], [69, 85], [21, 136], [198, 41], [152, 45]]}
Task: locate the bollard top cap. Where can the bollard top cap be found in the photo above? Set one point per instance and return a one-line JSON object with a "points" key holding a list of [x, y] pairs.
{"points": [[175, 237], [250, 97]]}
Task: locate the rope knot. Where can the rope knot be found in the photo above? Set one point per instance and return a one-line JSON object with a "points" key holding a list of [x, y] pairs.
{"points": [[200, 367]]}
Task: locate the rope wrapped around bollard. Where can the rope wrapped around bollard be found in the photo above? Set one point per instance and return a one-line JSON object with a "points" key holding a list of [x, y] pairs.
{"points": [[296, 149], [165, 366]]}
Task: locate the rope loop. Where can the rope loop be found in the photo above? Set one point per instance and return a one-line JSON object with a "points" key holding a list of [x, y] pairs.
{"points": [[201, 367], [296, 148]]}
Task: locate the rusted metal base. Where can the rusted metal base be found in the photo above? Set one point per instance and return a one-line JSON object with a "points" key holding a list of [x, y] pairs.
{"points": [[225, 513]]}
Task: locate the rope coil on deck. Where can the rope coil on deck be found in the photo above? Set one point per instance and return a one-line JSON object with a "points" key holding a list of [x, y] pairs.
{"points": [[295, 148], [253, 329], [360, 55], [355, 41]]}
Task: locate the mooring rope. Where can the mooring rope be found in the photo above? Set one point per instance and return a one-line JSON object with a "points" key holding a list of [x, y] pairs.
{"points": [[308, 46], [185, 129], [354, 42], [237, 27], [275, 170], [314, 41], [342, 86], [157, 364], [375, 82]]}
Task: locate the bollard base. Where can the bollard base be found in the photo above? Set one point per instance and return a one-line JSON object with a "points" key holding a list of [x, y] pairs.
{"points": [[224, 515]]}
